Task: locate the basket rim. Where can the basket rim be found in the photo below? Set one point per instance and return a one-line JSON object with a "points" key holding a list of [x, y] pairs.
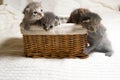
{"points": [[63, 29]]}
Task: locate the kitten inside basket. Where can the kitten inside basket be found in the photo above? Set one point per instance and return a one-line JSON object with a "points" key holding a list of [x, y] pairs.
{"points": [[35, 15], [44, 36], [83, 18], [37, 20]]}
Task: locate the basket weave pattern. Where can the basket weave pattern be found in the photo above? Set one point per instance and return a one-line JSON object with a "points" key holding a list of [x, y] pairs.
{"points": [[55, 46]]}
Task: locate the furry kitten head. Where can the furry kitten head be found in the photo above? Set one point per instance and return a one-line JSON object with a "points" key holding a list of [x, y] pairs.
{"points": [[86, 18], [33, 11], [90, 21], [76, 15], [49, 20]]}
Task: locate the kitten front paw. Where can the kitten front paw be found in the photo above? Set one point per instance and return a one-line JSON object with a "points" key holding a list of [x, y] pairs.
{"points": [[86, 51], [109, 54], [26, 26]]}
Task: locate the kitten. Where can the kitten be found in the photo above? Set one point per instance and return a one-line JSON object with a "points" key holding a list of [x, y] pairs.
{"points": [[76, 15], [32, 13], [49, 21], [97, 37]]}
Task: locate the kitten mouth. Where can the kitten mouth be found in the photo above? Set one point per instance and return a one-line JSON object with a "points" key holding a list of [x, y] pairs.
{"points": [[46, 29], [40, 17], [39, 14]]}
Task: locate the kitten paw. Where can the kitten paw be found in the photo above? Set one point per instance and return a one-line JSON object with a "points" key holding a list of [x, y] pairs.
{"points": [[109, 54], [86, 51]]}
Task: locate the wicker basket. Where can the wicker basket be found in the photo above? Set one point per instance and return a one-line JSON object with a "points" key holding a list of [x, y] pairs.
{"points": [[55, 46]]}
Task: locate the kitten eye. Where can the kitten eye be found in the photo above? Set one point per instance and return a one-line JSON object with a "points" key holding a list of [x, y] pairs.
{"points": [[35, 13], [51, 26], [44, 25], [41, 10]]}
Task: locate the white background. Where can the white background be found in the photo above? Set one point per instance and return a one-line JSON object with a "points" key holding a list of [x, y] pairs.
{"points": [[14, 66]]}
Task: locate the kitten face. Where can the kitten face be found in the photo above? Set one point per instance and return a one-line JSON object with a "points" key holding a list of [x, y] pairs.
{"points": [[54, 21], [91, 21], [86, 18], [76, 15], [33, 11], [49, 20], [86, 23], [36, 14]]}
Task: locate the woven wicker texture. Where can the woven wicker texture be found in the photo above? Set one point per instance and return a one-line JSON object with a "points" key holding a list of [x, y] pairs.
{"points": [[55, 46]]}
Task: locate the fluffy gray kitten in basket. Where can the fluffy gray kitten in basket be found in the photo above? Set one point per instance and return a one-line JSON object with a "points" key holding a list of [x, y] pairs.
{"points": [[97, 37], [34, 15], [49, 21]]}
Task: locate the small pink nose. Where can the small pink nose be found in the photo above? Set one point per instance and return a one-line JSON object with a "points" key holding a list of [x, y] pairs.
{"points": [[40, 14]]}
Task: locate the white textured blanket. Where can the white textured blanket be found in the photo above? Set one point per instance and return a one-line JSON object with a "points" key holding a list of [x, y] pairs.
{"points": [[15, 66]]}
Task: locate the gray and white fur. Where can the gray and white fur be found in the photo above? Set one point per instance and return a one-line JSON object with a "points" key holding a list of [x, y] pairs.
{"points": [[32, 13], [49, 21], [97, 37]]}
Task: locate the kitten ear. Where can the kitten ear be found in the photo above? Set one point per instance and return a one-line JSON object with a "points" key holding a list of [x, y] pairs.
{"points": [[26, 10], [40, 3]]}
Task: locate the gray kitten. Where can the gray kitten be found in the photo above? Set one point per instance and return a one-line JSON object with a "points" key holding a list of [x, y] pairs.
{"points": [[32, 13], [97, 37], [49, 21]]}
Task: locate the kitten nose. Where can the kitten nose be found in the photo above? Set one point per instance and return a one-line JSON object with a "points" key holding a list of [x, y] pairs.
{"points": [[40, 14]]}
